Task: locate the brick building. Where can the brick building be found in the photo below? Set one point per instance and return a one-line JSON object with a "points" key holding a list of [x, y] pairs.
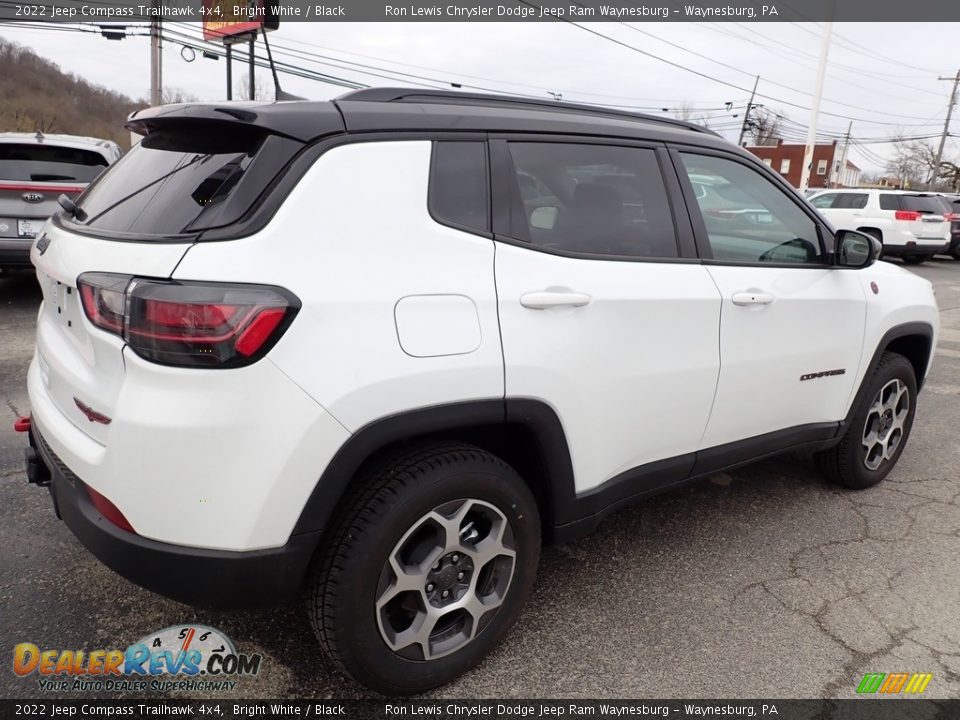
{"points": [[825, 171]]}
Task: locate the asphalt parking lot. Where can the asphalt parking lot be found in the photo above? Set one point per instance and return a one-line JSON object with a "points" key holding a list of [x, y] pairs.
{"points": [[764, 582]]}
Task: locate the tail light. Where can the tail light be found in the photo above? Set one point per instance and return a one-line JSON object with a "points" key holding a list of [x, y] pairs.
{"points": [[189, 324], [910, 215]]}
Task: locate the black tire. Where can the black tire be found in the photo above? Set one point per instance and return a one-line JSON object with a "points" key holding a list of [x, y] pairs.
{"points": [[846, 463], [914, 259], [349, 573]]}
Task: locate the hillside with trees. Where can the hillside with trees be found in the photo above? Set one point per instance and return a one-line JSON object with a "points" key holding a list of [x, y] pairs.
{"points": [[38, 95]]}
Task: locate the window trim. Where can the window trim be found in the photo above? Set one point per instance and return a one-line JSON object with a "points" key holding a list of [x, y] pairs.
{"points": [[503, 174], [700, 228], [481, 140]]}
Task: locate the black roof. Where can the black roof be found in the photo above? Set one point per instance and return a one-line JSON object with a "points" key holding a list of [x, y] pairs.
{"points": [[412, 109]]}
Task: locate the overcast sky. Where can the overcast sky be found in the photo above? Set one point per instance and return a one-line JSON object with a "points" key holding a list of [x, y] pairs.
{"points": [[883, 76]]}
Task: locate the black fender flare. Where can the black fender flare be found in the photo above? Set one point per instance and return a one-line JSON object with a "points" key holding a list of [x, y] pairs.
{"points": [[534, 415], [921, 329]]}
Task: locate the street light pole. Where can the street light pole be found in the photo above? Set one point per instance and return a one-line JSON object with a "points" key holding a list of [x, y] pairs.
{"points": [[815, 106]]}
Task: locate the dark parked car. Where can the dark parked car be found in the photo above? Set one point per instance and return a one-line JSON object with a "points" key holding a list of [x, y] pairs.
{"points": [[35, 169]]}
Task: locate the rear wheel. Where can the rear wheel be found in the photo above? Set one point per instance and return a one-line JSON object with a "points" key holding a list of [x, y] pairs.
{"points": [[427, 568], [879, 429]]}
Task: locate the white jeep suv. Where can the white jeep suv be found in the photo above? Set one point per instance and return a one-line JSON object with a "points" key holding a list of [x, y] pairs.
{"points": [[912, 225], [381, 348]]}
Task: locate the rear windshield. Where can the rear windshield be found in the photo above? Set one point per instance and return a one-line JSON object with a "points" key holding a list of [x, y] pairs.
{"points": [[168, 181], [921, 204], [49, 163]]}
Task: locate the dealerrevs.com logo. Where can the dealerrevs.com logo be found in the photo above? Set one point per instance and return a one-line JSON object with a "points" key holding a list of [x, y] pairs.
{"points": [[180, 657]]}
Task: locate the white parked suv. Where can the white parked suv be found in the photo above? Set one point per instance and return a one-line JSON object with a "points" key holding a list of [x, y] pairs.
{"points": [[911, 225], [379, 349]]}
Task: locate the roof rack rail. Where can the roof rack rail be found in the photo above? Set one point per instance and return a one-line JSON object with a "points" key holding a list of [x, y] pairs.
{"points": [[453, 97]]}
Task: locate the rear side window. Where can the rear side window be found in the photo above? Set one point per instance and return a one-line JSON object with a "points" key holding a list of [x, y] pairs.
{"points": [[889, 202], [181, 181], [459, 185], [591, 199], [49, 163]]}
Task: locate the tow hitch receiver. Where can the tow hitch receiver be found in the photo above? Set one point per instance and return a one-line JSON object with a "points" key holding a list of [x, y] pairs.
{"points": [[37, 472]]}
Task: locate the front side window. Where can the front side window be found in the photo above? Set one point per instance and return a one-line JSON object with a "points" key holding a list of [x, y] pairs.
{"points": [[591, 199], [851, 201], [824, 201], [748, 219]]}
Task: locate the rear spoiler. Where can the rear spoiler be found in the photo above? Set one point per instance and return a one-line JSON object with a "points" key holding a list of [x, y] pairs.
{"points": [[303, 121]]}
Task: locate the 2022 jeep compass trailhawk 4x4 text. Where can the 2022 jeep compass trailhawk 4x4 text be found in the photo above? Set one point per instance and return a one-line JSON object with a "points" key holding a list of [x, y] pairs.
{"points": [[381, 348]]}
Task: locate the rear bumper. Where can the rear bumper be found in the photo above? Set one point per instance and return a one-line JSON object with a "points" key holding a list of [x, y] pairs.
{"points": [[920, 248], [15, 252], [203, 578]]}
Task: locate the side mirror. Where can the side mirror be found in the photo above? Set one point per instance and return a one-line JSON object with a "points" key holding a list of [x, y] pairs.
{"points": [[544, 218], [856, 249]]}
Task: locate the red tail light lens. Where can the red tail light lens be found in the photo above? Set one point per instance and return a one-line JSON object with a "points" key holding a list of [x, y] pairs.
{"points": [[104, 299], [910, 215], [189, 324]]}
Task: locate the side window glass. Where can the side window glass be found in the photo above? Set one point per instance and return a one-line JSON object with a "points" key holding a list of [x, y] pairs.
{"points": [[458, 185], [851, 201], [748, 218], [591, 199], [889, 202], [824, 201]]}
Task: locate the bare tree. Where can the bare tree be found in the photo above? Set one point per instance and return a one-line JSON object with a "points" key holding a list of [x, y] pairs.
{"points": [[170, 95], [913, 160], [261, 91], [763, 126]]}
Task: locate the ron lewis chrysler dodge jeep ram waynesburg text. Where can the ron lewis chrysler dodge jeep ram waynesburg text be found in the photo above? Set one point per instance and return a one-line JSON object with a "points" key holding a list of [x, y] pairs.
{"points": [[378, 349]]}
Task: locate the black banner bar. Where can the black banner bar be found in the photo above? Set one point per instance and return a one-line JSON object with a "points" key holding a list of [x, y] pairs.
{"points": [[854, 709], [487, 10]]}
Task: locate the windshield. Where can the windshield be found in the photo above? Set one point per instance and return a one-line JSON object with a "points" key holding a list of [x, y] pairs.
{"points": [[161, 187], [924, 204], [32, 162]]}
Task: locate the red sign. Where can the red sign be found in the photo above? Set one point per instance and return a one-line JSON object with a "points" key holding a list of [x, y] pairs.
{"points": [[220, 21]]}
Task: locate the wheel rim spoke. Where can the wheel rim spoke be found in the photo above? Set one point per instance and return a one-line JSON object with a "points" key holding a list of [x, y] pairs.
{"points": [[445, 579], [885, 424]]}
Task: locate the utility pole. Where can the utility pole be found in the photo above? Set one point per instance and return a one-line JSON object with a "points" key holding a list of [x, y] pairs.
{"points": [[156, 63], [815, 106], [746, 115], [252, 78], [946, 129], [839, 168]]}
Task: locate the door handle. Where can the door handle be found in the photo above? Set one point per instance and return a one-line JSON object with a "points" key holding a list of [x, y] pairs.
{"points": [[550, 298], [752, 298]]}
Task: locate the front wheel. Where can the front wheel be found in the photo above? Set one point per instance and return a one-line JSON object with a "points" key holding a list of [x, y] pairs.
{"points": [[428, 567], [914, 259], [879, 429]]}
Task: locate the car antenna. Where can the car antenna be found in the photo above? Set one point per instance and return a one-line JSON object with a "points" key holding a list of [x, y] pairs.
{"points": [[279, 94]]}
